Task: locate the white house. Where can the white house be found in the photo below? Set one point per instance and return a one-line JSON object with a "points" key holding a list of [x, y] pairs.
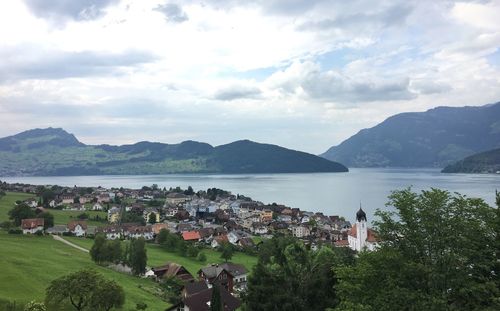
{"points": [[360, 237], [77, 228], [97, 207], [32, 225], [300, 231]]}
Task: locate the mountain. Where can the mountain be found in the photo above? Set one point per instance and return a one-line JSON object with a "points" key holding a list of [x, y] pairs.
{"points": [[434, 138], [51, 152], [484, 162]]}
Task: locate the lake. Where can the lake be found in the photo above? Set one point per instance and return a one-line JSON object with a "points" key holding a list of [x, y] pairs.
{"points": [[330, 193]]}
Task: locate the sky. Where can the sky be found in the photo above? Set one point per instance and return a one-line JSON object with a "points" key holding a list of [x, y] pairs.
{"points": [[303, 74]]}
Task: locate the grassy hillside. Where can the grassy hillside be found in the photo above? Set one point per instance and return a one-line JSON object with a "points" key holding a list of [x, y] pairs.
{"points": [[29, 263], [51, 152], [8, 201]]}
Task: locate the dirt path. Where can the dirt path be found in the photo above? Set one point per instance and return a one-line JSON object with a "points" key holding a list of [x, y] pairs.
{"points": [[58, 238]]}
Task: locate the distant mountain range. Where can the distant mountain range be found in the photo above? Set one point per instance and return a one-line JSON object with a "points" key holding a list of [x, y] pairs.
{"points": [[434, 138], [484, 162], [53, 151]]}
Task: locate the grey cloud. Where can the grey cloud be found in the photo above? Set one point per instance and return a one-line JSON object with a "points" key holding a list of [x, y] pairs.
{"points": [[429, 87], [20, 63], [237, 92], [390, 16], [173, 13], [61, 10]]}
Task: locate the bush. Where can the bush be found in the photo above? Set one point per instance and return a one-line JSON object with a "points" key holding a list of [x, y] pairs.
{"points": [[35, 306], [67, 234], [192, 251], [201, 257], [39, 233], [15, 231], [6, 224]]}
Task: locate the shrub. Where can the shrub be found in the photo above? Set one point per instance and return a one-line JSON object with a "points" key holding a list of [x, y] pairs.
{"points": [[39, 233], [15, 231], [202, 257]]}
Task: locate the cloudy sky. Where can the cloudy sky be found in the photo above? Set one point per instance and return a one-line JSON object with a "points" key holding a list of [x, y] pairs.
{"points": [[303, 74]]}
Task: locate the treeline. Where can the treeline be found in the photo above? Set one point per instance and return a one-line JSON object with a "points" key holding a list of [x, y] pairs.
{"points": [[133, 255], [438, 251], [174, 243]]}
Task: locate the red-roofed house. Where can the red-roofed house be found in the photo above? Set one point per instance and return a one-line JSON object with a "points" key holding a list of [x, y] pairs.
{"points": [[191, 236], [77, 227], [32, 225]]}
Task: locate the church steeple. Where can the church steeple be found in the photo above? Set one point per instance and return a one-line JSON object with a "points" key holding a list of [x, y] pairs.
{"points": [[360, 215]]}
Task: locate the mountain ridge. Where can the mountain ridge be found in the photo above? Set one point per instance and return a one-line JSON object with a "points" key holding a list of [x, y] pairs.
{"points": [[487, 162], [53, 151], [433, 138]]}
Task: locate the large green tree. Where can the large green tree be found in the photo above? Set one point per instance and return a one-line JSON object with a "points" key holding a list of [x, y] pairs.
{"points": [[138, 256], [85, 290], [20, 212], [436, 253], [227, 251]]}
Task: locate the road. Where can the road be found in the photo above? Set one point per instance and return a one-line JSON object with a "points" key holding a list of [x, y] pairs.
{"points": [[58, 238]]}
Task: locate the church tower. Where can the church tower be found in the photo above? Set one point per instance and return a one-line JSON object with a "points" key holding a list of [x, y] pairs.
{"points": [[361, 229]]}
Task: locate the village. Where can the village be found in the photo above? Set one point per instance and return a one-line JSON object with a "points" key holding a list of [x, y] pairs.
{"points": [[209, 219]]}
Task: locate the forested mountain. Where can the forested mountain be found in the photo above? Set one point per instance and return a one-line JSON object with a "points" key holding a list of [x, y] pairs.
{"points": [[434, 138], [484, 162], [55, 152]]}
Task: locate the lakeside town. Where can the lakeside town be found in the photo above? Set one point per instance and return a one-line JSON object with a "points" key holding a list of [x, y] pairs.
{"points": [[213, 219]]}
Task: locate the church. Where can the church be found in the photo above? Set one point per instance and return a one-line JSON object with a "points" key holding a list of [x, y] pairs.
{"points": [[360, 236]]}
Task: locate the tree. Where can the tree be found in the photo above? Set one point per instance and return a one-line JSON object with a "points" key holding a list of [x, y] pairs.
{"points": [[215, 301], [48, 220], [201, 257], [189, 191], [162, 236], [226, 251], [85, 289], [20, 212], [434, 255], [152, 218], [97, 249], [138, 256]]}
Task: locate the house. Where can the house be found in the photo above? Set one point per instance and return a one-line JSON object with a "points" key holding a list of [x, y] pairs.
{"points": [[172, 269], [191, 236], [157, 227], [32, 225], [219, 240], [67, 198], [206, 233], [97, 207], [111, 232], [266, 215], [104, 198], [300, 231], [184, 227], [246, 243], [176, 198], [234, 237], [228, 275], [135, 232], [171, 210], [258, 228], [200, 300], [114, 215], [151, 213], [31, 202], [361, 237], [77, 227], [57, 229]]}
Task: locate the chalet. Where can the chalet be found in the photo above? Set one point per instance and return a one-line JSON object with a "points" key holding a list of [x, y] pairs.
{"points": [[228, 275], [77, 227], [219, 240], [191, 236], [200, 300], [176, 198], [32, 225], [97, 207], [171, 270], [67, 198], [258, 228]]}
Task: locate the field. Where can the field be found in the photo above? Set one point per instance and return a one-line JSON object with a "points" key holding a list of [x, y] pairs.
{"points": [[61, 217], [158, 256], [29, 263]]}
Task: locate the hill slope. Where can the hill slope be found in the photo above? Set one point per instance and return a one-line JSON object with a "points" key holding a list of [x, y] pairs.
{"points": [[484, 162], [55, 152], [434, 138]]}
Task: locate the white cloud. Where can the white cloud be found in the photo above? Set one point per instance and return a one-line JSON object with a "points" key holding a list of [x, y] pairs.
{"points": [[303, 74]]}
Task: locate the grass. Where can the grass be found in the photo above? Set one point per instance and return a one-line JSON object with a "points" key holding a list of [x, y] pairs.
{"points": [[158, 256], [29, 263], [61, 217]]}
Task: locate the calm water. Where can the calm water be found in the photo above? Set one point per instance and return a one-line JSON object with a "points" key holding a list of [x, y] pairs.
{"points": [[330, 193]]}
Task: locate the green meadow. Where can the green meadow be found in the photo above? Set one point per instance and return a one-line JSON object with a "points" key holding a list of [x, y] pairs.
{"points": [[29, 263], [61, 217]]}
